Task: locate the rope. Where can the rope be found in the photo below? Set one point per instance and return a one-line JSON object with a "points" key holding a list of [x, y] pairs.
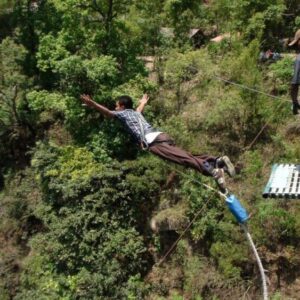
{"points": [[181, 235], [259, 92], [244, 227], [249, 88], [195, 217], [260, 266], [262, 129]]}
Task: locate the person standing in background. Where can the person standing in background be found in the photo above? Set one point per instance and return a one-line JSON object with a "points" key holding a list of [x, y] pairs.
{"points": [[296, 77]]}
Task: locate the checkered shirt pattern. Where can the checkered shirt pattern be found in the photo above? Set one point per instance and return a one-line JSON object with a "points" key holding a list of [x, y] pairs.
{"points": [[130, 118]]}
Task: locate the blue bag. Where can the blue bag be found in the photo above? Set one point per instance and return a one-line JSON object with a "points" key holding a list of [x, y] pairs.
{"points": [[237, 209]]}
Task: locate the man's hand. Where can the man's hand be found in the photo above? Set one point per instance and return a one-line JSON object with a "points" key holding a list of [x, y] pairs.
{"points": [[86, 99], [142, 103], [144, 99]]}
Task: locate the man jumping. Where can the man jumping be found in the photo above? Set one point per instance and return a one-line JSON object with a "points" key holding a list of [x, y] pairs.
{"points": [[159, 143]]}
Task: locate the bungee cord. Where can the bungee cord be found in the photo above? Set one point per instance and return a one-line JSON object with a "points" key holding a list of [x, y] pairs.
{"points": [[242, 224], [259, 263]]}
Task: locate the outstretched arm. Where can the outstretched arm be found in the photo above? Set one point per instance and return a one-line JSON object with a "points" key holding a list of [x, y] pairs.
{"points": [[142, 103], [102, 109]]}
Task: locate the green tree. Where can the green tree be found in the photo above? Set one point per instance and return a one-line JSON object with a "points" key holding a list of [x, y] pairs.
{"points": [[92, 247]]}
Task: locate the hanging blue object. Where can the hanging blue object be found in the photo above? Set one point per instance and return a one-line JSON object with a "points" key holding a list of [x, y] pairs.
{"points": [[237, 209]]}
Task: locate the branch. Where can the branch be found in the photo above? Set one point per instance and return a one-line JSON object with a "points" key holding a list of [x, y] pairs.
{"points": [[14, 105], [110, 14], [94, 21], [84, 6]]}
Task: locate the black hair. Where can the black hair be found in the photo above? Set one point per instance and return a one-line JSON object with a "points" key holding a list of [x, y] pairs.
{"points": [[125, 101]]}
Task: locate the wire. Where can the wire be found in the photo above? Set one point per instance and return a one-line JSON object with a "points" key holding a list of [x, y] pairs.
{"points": [[182, 234], [260, 266], [259, 92], [244, 227], [195, 217], [249, 88], [262, 129], [192, 221]]}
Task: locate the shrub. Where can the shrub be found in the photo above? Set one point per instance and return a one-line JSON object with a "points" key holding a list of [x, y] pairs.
{"points": [[92, 247], [280, 74]]}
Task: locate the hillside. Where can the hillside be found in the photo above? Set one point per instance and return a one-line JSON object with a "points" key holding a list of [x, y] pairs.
{"points": [[84, 212]]}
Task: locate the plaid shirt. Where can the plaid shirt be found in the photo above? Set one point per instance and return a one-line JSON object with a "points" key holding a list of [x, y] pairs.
{"points": [[130, 118]]}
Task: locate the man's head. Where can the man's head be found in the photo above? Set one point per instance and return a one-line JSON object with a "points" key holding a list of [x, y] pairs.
{"points": [[296, 40], [124, 102]]}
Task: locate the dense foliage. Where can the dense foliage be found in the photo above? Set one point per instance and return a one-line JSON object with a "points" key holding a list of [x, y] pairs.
{"points": [[77, 195]]}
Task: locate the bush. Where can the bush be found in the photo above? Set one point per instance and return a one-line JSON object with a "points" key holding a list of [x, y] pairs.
{"points": [[91, 212], [280, 74]]}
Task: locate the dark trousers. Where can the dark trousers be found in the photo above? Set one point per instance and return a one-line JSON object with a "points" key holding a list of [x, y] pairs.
{"points": [[164, 147]]}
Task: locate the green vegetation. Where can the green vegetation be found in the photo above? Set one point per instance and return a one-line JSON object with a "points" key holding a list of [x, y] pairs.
{"points": [[77, 196]]}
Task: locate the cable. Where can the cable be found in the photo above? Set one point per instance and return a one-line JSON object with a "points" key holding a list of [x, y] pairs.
{"points": [[261, 130], [260, 266], [259, 92], [195, 217], [181, 235], [249, 88], [244, 227]]}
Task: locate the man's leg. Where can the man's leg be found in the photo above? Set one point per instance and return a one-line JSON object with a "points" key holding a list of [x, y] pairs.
{"points": [[294, 96], [165, 148], [225, 163]]}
